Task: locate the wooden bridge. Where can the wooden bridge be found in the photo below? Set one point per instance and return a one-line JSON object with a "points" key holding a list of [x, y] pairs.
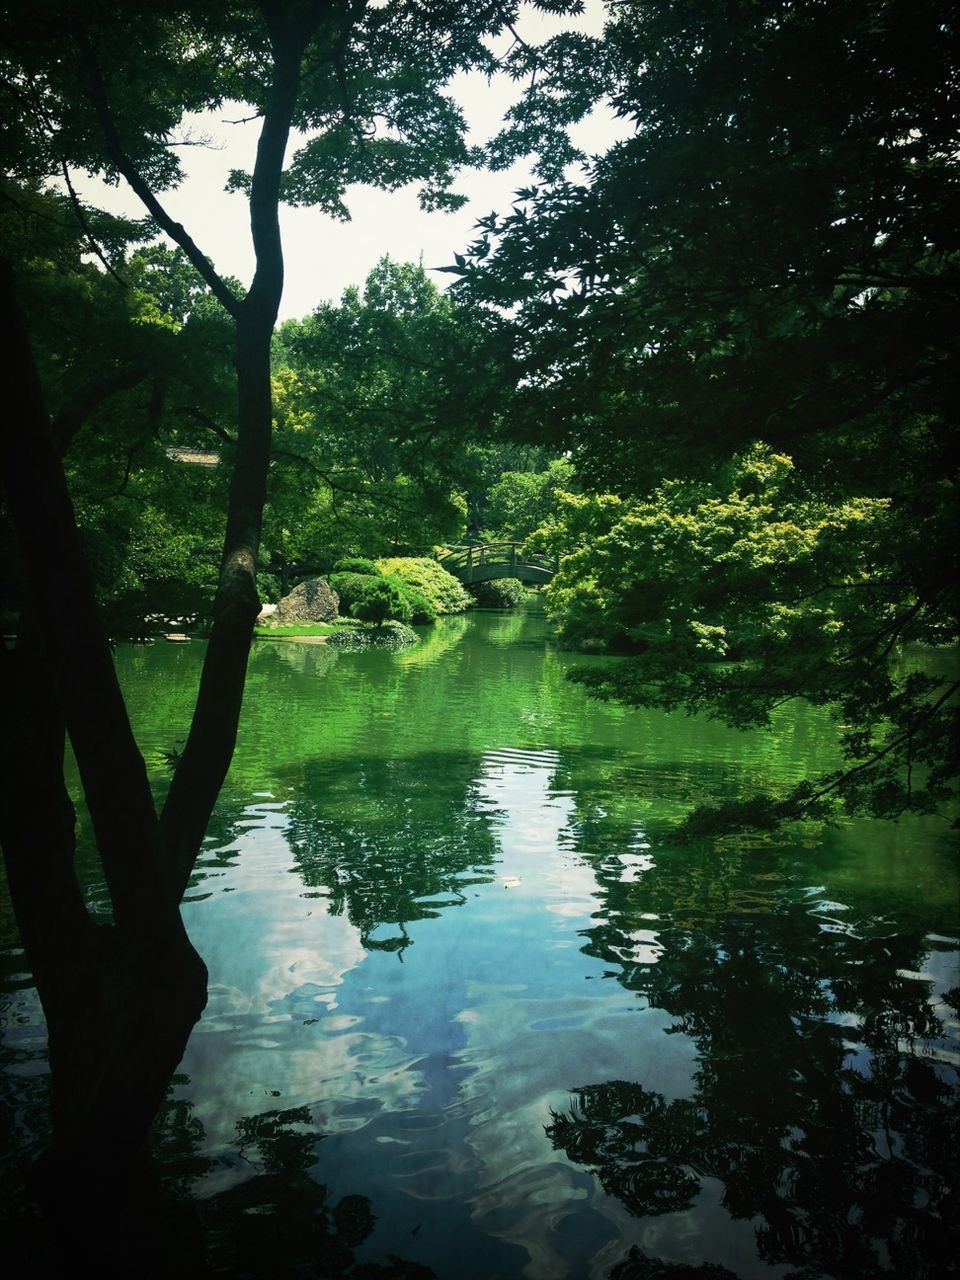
{"points": [[498, 560]]}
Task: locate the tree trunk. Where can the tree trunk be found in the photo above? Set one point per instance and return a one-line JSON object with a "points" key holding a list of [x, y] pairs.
{"points": [[121, 999]]}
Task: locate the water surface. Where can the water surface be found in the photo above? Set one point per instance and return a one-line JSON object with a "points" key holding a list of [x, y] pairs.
{"points": [[468, 1009]]}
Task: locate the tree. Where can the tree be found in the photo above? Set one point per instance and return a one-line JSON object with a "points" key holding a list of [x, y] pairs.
{"points": [[769, 259], [376, 400], [521, 501], [104, 88], [731, 596], [379, 599]]}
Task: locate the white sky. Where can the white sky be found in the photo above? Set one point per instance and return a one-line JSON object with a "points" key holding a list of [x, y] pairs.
{"points": [[323, 255]]}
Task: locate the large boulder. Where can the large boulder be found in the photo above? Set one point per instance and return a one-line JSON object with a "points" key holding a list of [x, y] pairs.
{"points": [[312, 601]]}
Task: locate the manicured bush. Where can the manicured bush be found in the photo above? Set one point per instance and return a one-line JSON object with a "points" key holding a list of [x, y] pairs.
{"points": [[356, 564], [392, 635], [422, 609], [350, 586], [431, 579], [379, 600], [499, 593]]}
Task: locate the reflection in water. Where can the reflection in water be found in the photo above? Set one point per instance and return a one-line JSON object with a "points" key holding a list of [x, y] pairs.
{"points": [[278, 1222], [390, 841], [824, 1098], [601, 1056]]}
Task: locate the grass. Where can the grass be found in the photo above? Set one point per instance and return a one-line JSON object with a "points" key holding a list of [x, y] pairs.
{"points": [[301, 630]]}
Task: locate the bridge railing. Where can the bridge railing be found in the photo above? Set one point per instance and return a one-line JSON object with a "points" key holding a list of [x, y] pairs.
{"points": [[460, 558]]}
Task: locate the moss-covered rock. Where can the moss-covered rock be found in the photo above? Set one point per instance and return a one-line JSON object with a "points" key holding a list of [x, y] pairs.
{"points": [[311, 601]]}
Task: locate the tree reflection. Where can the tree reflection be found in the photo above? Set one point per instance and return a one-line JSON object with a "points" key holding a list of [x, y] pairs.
{"points": [[391, 840], [278, 1223], [822, 1100]]}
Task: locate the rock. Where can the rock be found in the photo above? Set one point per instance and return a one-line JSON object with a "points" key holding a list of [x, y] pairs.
{"points": [[312, 601]]}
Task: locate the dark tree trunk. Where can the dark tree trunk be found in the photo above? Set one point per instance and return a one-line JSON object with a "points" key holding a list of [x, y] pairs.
{"points": [[121, 1000]]}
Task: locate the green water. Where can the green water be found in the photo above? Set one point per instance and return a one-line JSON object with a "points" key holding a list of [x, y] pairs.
{"points": [[461, 988]]}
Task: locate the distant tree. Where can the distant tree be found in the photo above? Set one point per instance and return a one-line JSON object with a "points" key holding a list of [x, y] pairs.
{"points": [[522, 501], [377, 399]]}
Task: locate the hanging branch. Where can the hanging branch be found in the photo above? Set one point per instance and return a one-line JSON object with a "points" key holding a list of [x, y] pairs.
{"points": [[81, 215], [97, 92]]}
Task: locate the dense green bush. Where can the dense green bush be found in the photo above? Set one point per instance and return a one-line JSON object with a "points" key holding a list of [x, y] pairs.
{"points": [[356, 564], [392, 635], [422, 609], [268, 587], [431, 579], [380, 599], [499, 593], [350, 586]]}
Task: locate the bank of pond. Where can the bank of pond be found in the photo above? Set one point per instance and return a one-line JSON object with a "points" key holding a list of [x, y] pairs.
{"points": [[472, 1013]]}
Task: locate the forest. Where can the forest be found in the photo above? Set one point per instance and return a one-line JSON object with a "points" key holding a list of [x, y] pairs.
{"points": [[710, 373]]}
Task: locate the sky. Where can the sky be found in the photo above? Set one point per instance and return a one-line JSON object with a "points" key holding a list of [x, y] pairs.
{"points": [[323, 255]]}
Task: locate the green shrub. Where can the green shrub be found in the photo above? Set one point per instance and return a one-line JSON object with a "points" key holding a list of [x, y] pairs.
{"points": [[431, 579], [268, 587], [499, 593], [379, 600], [350, 586], [422, 609], [392, 635], [356, 564]]}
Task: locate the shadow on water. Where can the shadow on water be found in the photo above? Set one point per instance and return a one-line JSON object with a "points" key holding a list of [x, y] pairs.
{"points": [[824, 1105], [277, 1222]]}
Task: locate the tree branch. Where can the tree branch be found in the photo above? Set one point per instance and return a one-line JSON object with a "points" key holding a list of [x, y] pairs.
{"points": [[72, 416], [898, 741], [85, 226], [176, 231]]}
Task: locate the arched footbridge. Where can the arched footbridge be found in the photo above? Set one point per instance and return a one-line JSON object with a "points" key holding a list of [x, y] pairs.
{"points": [[498, 560]]}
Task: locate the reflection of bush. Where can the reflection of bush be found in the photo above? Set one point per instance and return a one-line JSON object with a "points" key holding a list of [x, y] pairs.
{"points": [[446, 635], [383, 836]]}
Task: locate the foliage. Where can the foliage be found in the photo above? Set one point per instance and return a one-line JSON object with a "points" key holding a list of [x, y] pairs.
{"points": [[108, 89], [379, 599], [392, 634], [522, 501], [770, 256], [125, 376], [733, 596], [498, 593], [375, 400], [422, 609], [431, 580], [356, 564], [351, 586]]}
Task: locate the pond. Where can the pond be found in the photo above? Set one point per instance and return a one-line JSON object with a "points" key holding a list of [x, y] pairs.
{"points": [[470, 1010]]}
